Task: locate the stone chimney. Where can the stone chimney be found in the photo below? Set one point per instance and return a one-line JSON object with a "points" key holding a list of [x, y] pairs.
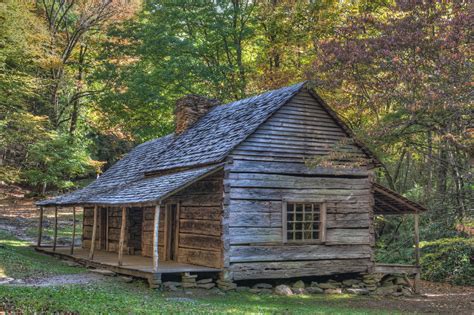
{"points": [[189, 109]]}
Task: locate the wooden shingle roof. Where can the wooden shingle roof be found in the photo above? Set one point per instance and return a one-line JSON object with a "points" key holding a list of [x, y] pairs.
{"points": [[388, 201], [208, 141], [205, 143]]}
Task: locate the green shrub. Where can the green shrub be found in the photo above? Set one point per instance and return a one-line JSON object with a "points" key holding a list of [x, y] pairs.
{"points": [[449, 260]]}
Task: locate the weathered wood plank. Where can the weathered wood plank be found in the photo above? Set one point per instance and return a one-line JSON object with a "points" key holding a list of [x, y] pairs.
{"points": [[348, 236], [252, 180], [336, 134], [248, 235], [292, 168], [269, 270], [292, 252], [262, 136], [200, 257], [253, 219], [203, 242], [278, 194], [277, 132], [201, 213], [203, 227]]}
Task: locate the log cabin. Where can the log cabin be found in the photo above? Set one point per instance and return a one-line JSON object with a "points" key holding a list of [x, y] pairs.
{"points": [[271, 186]]}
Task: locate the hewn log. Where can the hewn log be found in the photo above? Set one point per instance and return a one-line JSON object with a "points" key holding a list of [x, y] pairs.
{"points": [[155, 238], [254, 235], [40, 227], [348, 236], [73, 241], [200, 213], [200, 257], [203, 227], [290, 252], [94, 232], [122, 236], [292, 168], [295, 194], [291, 269], [55, 237], [203, 242]]}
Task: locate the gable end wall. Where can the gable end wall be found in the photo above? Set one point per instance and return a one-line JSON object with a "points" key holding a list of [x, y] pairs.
{"points": [[269, 167]]}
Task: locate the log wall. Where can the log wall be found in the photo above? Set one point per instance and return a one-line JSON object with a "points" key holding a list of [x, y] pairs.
{"points": [[269, 167], [200, 227]]}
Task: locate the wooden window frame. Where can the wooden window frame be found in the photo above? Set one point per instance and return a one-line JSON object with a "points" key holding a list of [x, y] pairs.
{"points": [[322, 221]]}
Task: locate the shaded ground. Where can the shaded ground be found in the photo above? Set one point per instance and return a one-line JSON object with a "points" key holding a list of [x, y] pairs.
{"points": [[37, 278]]}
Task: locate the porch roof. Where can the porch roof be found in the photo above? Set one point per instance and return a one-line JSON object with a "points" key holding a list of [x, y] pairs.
{"points": [[148, 190], [389, 202]]}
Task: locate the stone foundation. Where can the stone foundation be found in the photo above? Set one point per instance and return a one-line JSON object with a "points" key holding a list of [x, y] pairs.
{"points": [[368, 284]]}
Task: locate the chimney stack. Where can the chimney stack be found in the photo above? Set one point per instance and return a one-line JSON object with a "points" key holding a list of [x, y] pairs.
{"points": [[189, 109]]}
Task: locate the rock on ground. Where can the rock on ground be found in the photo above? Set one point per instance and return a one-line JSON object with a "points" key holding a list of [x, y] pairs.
{"points": [[283, 290]]}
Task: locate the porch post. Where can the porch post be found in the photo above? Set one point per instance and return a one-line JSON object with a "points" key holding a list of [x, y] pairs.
{"points": [[40, 227], [94, 231], [155, 238], [55, 237], [122, 235], [417, 251], [73, 229]]}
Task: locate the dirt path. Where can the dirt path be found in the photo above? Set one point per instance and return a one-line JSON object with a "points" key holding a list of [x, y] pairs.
{"points": [[437, 298]]}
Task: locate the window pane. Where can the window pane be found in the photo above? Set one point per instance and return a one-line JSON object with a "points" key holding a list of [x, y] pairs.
{"points": [[307, 226], [298, 235], [299, 207], [299, 217], [289, 207], [315, 235], [290, 216], [315, 226], [308, 216], [289, 236], [298, 226]]}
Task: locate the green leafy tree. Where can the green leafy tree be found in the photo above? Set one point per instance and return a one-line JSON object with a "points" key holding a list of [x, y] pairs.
{"points": [[56, 160]]}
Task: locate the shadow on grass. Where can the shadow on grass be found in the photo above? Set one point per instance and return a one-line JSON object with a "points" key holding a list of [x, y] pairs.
{"points": [[19, 260]]}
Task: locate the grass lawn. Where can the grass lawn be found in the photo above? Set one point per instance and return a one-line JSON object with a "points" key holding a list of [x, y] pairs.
{"points": [[17, 260]]}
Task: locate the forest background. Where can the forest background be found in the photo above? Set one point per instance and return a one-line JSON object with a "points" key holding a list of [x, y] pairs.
{"points": [[84, 81]]}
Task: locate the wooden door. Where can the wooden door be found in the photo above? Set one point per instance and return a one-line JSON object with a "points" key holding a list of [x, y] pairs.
{"points": [[172, 231]]}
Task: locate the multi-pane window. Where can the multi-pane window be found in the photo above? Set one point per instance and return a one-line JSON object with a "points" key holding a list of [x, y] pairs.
{"points": [[303, 222]]}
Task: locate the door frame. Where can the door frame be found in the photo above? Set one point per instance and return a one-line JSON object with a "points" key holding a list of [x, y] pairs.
{"points": [[171, 231]]}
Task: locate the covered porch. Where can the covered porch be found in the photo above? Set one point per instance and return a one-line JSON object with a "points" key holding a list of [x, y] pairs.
{"points": [[388, 202], [135, 229]]}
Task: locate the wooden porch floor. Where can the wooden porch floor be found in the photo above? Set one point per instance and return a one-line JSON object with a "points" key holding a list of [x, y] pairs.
{"points": [[133, 265]]}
